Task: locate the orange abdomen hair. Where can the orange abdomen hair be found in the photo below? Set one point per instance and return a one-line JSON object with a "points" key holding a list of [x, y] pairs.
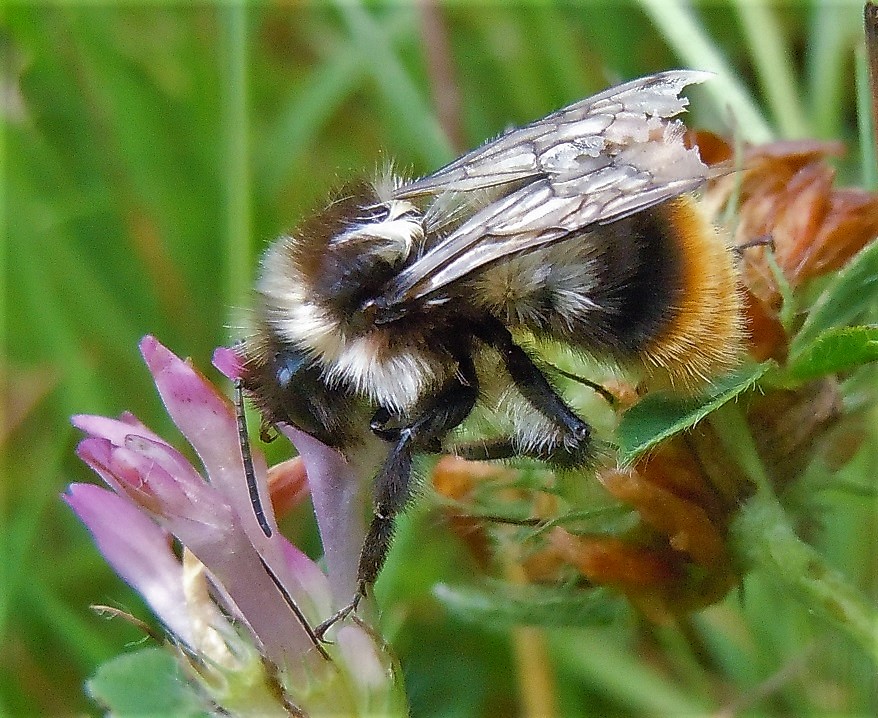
{"points": [[704, 335]]}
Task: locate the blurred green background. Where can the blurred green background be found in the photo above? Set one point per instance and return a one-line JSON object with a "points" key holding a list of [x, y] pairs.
{"points": [[151, 151]]}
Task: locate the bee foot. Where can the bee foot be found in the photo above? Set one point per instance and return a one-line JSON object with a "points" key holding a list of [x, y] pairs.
{"points": [[340, 615]]}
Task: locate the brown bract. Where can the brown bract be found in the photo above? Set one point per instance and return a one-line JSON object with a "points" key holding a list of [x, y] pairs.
{"points": [[287, 485], [674, 560], [785, 196], [660, 584]]}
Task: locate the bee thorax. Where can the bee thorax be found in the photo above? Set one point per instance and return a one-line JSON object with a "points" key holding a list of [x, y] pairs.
{"points": [[397, 381]]}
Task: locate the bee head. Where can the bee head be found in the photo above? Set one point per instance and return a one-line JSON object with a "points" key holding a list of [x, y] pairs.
{"points": [[287, 387]]}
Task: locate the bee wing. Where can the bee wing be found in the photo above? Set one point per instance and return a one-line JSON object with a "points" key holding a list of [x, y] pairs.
{"points": [[617, 115], [592, 163]]}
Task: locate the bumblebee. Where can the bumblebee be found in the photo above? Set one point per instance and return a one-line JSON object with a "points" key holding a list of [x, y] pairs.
{"points": [[391, 313]]}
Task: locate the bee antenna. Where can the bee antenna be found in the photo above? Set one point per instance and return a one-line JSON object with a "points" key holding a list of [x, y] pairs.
{"points": [[247, 458], [261, 518], [765, 240], [593, 385], [294, 607]]}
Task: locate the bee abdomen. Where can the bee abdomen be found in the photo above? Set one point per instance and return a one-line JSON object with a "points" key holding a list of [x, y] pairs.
{"points": [[657, 290], [701, 333]]}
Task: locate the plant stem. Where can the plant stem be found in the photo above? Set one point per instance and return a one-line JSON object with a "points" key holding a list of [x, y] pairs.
{"points": [[773, 59], [763, 539], [233, 25]]}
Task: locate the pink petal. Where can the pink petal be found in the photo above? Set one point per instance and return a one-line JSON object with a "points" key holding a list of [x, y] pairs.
{"points": [[308, 574], [228, 362], [193, 512], [338, 497], [207, 421], [113, 429], [98, 456], [137, 549], [209, 424], [235, 565], [166, 462], [121, 432]]}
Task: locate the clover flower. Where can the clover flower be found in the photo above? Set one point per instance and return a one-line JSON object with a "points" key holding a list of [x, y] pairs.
{"points": [[237, 605]]}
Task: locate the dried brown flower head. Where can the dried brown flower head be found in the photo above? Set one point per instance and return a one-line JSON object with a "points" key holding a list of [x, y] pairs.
{"points": [[785, 196]]}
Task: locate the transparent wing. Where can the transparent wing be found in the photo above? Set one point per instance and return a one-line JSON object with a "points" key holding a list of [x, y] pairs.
{"points": [[551, 145], [594, 162]]}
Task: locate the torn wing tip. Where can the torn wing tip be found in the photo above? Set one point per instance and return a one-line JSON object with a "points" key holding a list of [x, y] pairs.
{"points": [[688, 77]]}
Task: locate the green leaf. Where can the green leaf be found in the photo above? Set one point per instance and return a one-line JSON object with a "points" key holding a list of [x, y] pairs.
{"points": [[661, 415], [148, 682], [500, 604], [836, 350], [853, 290]]}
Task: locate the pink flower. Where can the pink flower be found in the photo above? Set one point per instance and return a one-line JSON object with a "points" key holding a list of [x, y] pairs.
{"points": [[236, 596]]}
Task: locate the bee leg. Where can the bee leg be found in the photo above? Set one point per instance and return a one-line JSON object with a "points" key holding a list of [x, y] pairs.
{"points": [[493, 450], [393, 485], [561, 456], [534, 386]]}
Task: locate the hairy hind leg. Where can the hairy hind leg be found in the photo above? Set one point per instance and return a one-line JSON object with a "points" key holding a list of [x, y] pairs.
{"points": [[539, 393]]}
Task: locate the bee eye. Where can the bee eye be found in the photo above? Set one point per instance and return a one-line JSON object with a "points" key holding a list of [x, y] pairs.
{"points": [[288, 363]]}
